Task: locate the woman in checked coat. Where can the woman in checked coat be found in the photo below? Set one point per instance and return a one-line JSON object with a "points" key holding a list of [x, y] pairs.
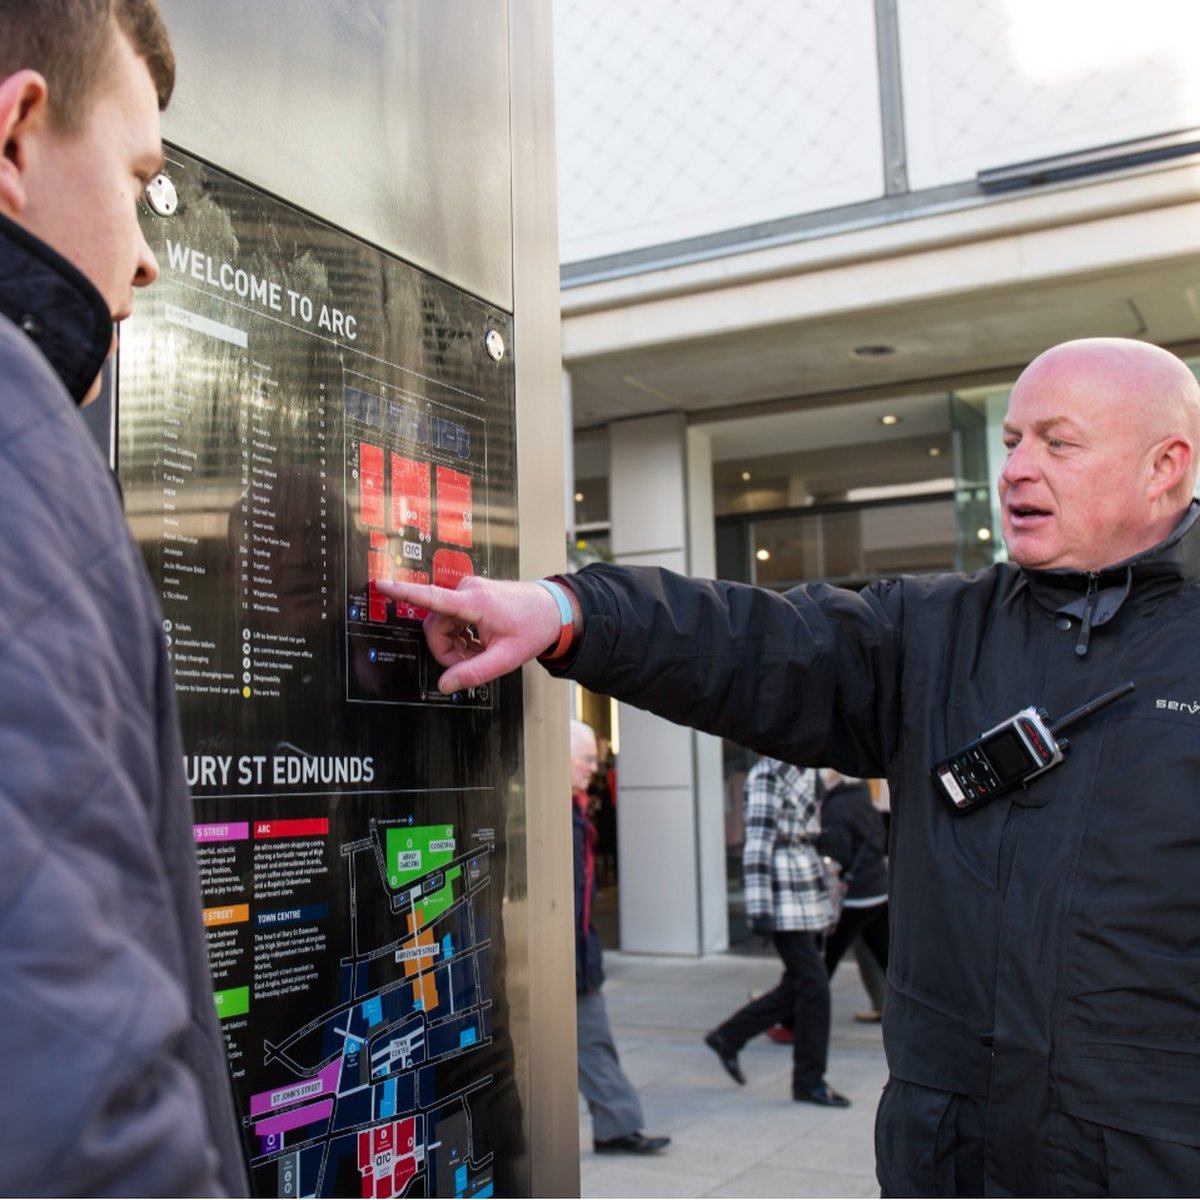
{"points": [[787, 901]]}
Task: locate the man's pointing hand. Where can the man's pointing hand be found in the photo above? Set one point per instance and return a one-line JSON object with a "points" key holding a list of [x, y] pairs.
{"points": [[484, 628]]}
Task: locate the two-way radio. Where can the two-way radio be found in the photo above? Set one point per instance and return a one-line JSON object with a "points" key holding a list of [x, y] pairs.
{"points": [[1011, 753]]}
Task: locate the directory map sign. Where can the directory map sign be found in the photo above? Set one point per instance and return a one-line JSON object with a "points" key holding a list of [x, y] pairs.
{"points": [[300, 416]]}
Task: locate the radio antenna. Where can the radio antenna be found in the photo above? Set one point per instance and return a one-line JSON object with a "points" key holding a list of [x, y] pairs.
{"points": [[1086, 710]]}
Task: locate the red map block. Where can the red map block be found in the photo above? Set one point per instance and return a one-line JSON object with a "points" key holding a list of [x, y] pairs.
{"points": [[379, 561], [449, 566], [405, 1135], [299, 827], [377, 602], [379, 566], [410, 611], [364, 1150], [370, 483], [403, 1171], [412, 504], [454, 507]]}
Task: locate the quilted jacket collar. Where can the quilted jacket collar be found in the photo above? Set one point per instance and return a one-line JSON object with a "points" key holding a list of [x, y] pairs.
{"points": [[56, 305], [1095, 597], [1171, 562]]}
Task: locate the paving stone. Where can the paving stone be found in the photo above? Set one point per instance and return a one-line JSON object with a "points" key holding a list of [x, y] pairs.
{"points": [[730, 1140]]}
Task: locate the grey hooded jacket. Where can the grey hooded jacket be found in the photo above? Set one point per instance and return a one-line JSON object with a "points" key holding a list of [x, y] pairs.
{"points": [[112, 1060]]}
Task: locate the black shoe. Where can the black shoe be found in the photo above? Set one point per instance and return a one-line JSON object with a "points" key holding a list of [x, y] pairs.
{"points": [[822, 1094], [717, 1044], [630, 1143]]}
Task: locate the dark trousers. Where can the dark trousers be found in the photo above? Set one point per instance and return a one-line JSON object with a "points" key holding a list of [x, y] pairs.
{"points": [[801, 998], [932, 1143], [870, 924], [929, 1143]]}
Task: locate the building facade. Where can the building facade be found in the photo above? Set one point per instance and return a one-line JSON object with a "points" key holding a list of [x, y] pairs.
{"points": [[807, 246]]}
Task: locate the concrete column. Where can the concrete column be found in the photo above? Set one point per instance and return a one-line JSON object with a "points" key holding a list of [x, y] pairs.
{"points": [[670, 826], [568, 416]]}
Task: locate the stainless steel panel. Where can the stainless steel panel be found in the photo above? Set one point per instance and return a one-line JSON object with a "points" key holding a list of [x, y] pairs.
{"points": [[427, 128], [386, 118], [549, 1091]]}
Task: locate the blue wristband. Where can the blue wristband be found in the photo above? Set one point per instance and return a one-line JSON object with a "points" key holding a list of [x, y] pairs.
{"points": [[566, 616]]}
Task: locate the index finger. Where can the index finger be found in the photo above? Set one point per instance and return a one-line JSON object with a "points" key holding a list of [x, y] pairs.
{"points": [[444, 601]]}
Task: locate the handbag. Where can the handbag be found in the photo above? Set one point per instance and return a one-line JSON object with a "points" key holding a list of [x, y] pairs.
{"points": [[835, 888], [837, 882]]}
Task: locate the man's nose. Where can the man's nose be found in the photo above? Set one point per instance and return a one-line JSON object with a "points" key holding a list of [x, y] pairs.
{"points": [[1020, 464], [147, 264]]}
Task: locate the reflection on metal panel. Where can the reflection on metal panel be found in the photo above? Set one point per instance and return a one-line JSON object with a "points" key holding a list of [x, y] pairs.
{"points": [[389, 119], [301, 416]]}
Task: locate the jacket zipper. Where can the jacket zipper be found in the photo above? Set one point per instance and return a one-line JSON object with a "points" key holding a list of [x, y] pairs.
{"points": [[1089, 611]]}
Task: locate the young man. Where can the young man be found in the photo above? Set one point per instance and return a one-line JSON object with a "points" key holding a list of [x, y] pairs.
{"points": [[113, 1061], [1044, 969]]}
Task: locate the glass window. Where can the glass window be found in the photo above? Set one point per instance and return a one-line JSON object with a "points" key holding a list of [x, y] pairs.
{"points": [[852, 451], [852, 546], [591, 479]]}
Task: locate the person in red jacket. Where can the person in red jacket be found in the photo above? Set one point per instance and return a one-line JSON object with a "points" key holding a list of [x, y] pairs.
{"points": [[611, 1099]]}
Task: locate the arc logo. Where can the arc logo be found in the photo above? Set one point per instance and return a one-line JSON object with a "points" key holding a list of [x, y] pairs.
{"points": [[1188, 706]]}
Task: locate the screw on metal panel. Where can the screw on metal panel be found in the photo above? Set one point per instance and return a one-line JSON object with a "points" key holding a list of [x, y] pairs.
{"points": [[494, 344], [161, 195]]}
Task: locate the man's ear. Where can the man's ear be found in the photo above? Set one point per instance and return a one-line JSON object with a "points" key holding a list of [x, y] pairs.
{"points": [[1169, 466], [24, 113]]}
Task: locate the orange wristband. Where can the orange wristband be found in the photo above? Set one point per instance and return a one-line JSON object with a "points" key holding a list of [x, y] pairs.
{"points": [[566, 633]]}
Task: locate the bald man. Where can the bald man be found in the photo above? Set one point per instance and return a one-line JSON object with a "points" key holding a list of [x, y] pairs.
{"points": [[1042, 1023]]}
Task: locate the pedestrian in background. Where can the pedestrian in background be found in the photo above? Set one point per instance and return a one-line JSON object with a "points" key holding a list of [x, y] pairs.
{"points": [[787, 903], [852, 835], [614, 1105]]}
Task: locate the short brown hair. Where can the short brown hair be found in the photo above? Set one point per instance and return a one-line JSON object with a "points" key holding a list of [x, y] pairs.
{"points": [[70, 42]]}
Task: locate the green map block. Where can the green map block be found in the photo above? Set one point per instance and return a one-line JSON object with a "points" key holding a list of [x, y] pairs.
{"points": [[233, 1002], [414, 851]]}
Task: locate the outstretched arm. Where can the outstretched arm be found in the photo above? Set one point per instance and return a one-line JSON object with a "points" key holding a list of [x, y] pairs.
{"points": [[485, 628]]}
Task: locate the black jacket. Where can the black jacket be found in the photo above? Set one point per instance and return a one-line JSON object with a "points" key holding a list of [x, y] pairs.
{"points": [[1046, 948], [852, 834], [114, 1064]]}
